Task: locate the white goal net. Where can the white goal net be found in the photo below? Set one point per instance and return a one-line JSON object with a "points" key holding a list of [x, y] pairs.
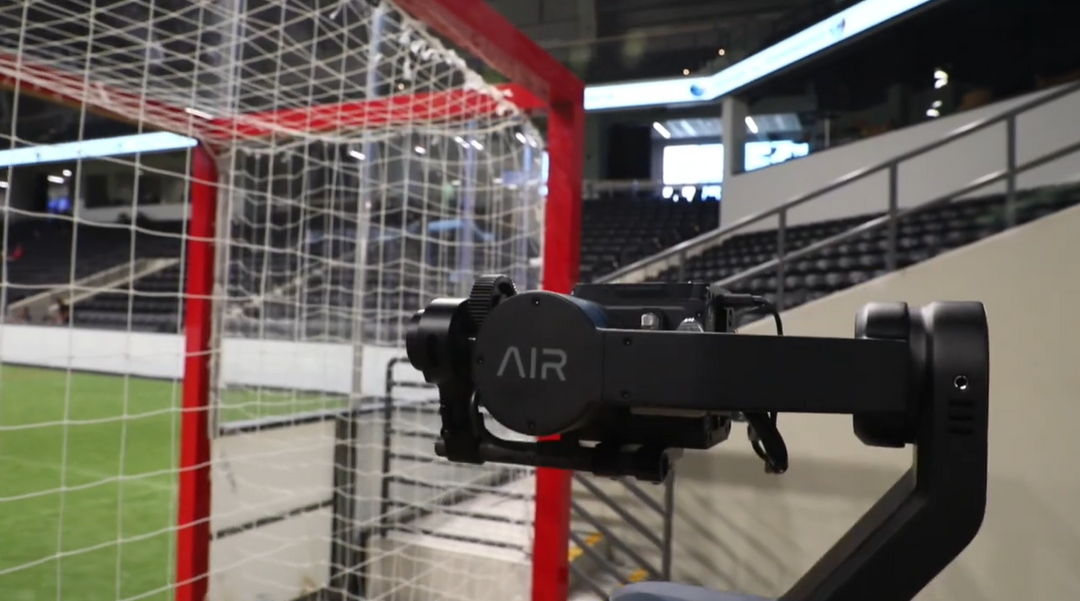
{"points": [[219, 218]]}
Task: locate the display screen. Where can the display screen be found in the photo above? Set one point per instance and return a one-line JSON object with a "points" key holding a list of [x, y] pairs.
{"points": [[695, 164], [759, 155]]}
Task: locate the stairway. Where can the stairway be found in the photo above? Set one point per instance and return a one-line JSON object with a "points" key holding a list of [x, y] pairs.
{"points": [[435, 521]]}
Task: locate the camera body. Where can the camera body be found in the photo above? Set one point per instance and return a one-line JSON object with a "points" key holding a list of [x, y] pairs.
{"points": [[653, 307]]}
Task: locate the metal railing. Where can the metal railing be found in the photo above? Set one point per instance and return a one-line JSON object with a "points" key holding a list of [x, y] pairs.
{"points": [[626, 563], [623, 562], [677, 255], [109, 279]]}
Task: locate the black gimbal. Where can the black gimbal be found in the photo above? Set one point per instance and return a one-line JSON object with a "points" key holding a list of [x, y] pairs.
{"points": [[629, 375]]}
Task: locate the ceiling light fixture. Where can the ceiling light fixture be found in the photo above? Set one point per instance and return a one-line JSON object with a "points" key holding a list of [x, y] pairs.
{"points": [[751, 124]]}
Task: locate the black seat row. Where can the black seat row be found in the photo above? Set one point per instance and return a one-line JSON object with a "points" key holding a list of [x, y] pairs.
{"points": [[920, 236], [617, 231], [623, 228]]}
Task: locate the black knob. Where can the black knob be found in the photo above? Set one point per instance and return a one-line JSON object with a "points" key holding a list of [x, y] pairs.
{"points": [[885, 321], [487, 292]]}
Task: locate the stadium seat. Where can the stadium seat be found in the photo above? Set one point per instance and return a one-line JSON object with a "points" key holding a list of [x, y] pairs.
{"points": [[54, 253], [623, 228], [617, 230], [920, 236]]}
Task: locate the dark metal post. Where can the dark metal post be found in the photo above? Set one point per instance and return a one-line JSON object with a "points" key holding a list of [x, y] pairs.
{"points": [[781, 233], [894, 206], [669, 519], [387, 445], [1010, 166], [344, 550], [682, 266]]}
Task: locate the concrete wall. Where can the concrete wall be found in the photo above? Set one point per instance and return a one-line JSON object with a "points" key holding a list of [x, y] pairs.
{"points": [[739, 528], [942, 171]]}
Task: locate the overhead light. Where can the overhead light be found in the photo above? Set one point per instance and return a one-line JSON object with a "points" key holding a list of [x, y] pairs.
{"points": [[936, 104], [667, 192], [56, 179], [660, 129], [721, 52], [197, 113], [476, 144], [3, 185], [401, 86], [66, 172], [521, 138], [420, 150], [497, 180], [751, 124], [89, 149], [356, 154], [853, 21], [941, 79], [686, 71], [933, 113]]}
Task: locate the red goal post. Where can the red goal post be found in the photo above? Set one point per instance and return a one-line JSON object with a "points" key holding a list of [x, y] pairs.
{"points": [[538, 83]]}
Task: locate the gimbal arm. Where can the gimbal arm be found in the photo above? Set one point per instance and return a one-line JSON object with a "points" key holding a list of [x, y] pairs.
{"points": [[545, 363]]}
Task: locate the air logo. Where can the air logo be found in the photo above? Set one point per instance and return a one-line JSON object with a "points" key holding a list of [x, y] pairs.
{"points": [[551, 363]]}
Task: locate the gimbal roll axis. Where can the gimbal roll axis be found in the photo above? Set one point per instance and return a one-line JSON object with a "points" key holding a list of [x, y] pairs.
{"points": [[629, 375]]}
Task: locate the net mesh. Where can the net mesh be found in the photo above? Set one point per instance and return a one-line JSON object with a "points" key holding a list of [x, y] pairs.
{"points": [[362, 169]]}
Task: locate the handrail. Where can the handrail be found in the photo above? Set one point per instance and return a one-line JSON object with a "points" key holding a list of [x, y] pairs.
{"points": [[877, 222], [107, 279], [850, 178]]}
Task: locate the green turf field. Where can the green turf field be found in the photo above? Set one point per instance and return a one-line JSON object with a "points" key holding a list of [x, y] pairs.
{"points": [[87, 481]]}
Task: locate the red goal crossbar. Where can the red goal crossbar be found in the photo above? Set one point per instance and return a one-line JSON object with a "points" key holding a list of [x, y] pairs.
{"points": [[539, 82]]}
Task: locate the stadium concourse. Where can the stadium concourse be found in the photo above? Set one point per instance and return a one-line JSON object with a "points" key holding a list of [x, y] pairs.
{"points": [[219, 219]]}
